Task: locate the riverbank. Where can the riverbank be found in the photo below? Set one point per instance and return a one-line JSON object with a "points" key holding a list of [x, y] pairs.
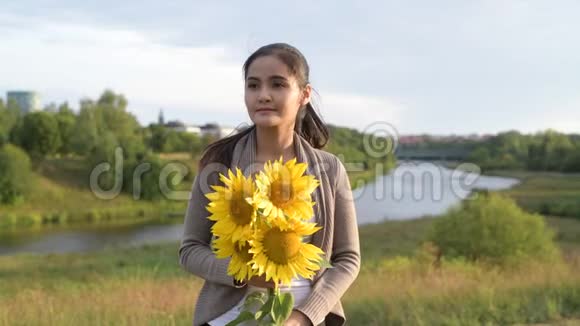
{"points": [[546, 193], [397, 285], [62, 195], [543, 192]]}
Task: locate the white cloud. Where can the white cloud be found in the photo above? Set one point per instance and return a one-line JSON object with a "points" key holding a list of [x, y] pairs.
{"points": [[478, 66], [360, 111], [84, 60]]}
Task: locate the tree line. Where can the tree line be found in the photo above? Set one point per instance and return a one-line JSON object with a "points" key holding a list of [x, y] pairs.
{"points": [[92, 134], [543, 151]]}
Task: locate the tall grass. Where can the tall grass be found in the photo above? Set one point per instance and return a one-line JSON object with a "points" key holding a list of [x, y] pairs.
{"points": [[461, 293], [547, 193], [402, 286]]}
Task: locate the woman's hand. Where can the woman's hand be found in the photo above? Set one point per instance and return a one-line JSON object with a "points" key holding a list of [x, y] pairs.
{"points": [[297, 319], [260, 281]]}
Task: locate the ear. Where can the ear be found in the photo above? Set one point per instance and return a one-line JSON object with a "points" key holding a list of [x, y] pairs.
{"points": [[306, 93]]}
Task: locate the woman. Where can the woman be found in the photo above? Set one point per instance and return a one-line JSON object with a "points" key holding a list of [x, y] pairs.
{"points": [[277, 97]]}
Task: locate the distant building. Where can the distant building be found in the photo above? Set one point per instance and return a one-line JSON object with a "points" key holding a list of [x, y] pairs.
{"points": [[179, 126], [26, 101], [161, 119], [209, 129], [217, 131]]}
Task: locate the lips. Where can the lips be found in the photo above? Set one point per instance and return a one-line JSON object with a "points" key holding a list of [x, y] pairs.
{"points": [[265, 110]]}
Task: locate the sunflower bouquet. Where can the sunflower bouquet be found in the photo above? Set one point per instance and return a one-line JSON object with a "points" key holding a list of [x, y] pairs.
{"points": [[260, 224]]}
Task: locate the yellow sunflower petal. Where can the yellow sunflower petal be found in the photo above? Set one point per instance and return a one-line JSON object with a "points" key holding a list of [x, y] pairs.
{"points": [[280, 253]]}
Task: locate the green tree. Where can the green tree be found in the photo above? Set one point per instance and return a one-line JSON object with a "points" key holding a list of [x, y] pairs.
{"points": [[85, 130], [39, 134], [558, 146], [157, 137], [111, 108], [548, 150], [66, 124], [480, 156], [9, 118], [493, 228], [15, 174], [572, 161], [148, 182], [104, 151], [107, 115], [192, 143]]}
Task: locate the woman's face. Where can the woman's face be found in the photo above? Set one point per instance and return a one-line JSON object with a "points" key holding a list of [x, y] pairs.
{"points": [[272, 95]]}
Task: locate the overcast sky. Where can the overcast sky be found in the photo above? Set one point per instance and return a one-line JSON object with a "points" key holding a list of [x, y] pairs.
{"points": [[437, 67]]}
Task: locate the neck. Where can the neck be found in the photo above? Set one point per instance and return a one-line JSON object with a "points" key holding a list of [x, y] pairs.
{"points": [[273, 142]]}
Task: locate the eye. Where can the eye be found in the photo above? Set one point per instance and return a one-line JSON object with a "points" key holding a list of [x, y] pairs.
{"points": [[278, 85], [252, 85]]}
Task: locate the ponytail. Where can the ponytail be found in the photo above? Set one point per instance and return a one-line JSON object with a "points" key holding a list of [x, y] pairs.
{"points": [[310, 126]]}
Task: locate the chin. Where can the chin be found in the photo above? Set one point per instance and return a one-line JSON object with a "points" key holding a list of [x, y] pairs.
{"points": [[266, 122]]}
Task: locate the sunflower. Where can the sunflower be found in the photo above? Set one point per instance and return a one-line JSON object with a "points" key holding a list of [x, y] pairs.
{"points": [[279, 252], [230, 207], [284, 189], [239, 251]]}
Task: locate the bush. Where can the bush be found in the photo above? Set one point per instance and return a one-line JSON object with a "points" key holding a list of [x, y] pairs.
{"points": [[15, 174], [29, 220], [39, 134], [7, 220], [560, 207], [145, 185], [493, 228]]}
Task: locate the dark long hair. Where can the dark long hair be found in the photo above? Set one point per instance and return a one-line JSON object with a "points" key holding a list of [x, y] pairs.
{"points": [[309, 125]]}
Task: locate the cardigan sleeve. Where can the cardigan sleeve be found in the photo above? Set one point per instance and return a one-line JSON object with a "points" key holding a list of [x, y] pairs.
{"points": [[345, 258], [195, 253]]}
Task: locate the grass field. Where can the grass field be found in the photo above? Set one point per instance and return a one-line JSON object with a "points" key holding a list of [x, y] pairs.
{"points": [[397, 285], [547, 193]]}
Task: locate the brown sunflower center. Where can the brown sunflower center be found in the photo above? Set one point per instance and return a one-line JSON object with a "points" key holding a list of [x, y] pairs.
{"points": [[281, 191], [281, 246], [243, 252], [240, 210]]}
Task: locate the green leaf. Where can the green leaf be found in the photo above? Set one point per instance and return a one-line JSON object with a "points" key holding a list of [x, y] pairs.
{"points": [[283, 307], [266, 308], [254, 297], [244, 316], [259, 315], [324, 263]]}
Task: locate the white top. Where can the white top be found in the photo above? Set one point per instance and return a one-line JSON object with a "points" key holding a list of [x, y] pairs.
{"points": [[300, 294]]}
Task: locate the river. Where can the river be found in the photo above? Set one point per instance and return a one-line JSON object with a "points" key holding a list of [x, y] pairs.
{"points": [[412, 190]]}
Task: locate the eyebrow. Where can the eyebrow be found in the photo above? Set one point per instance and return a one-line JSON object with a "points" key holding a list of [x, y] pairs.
{"points": [[271, 77]]}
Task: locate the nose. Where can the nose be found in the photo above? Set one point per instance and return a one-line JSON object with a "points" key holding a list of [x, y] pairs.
{"points": [[264, 95]]}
